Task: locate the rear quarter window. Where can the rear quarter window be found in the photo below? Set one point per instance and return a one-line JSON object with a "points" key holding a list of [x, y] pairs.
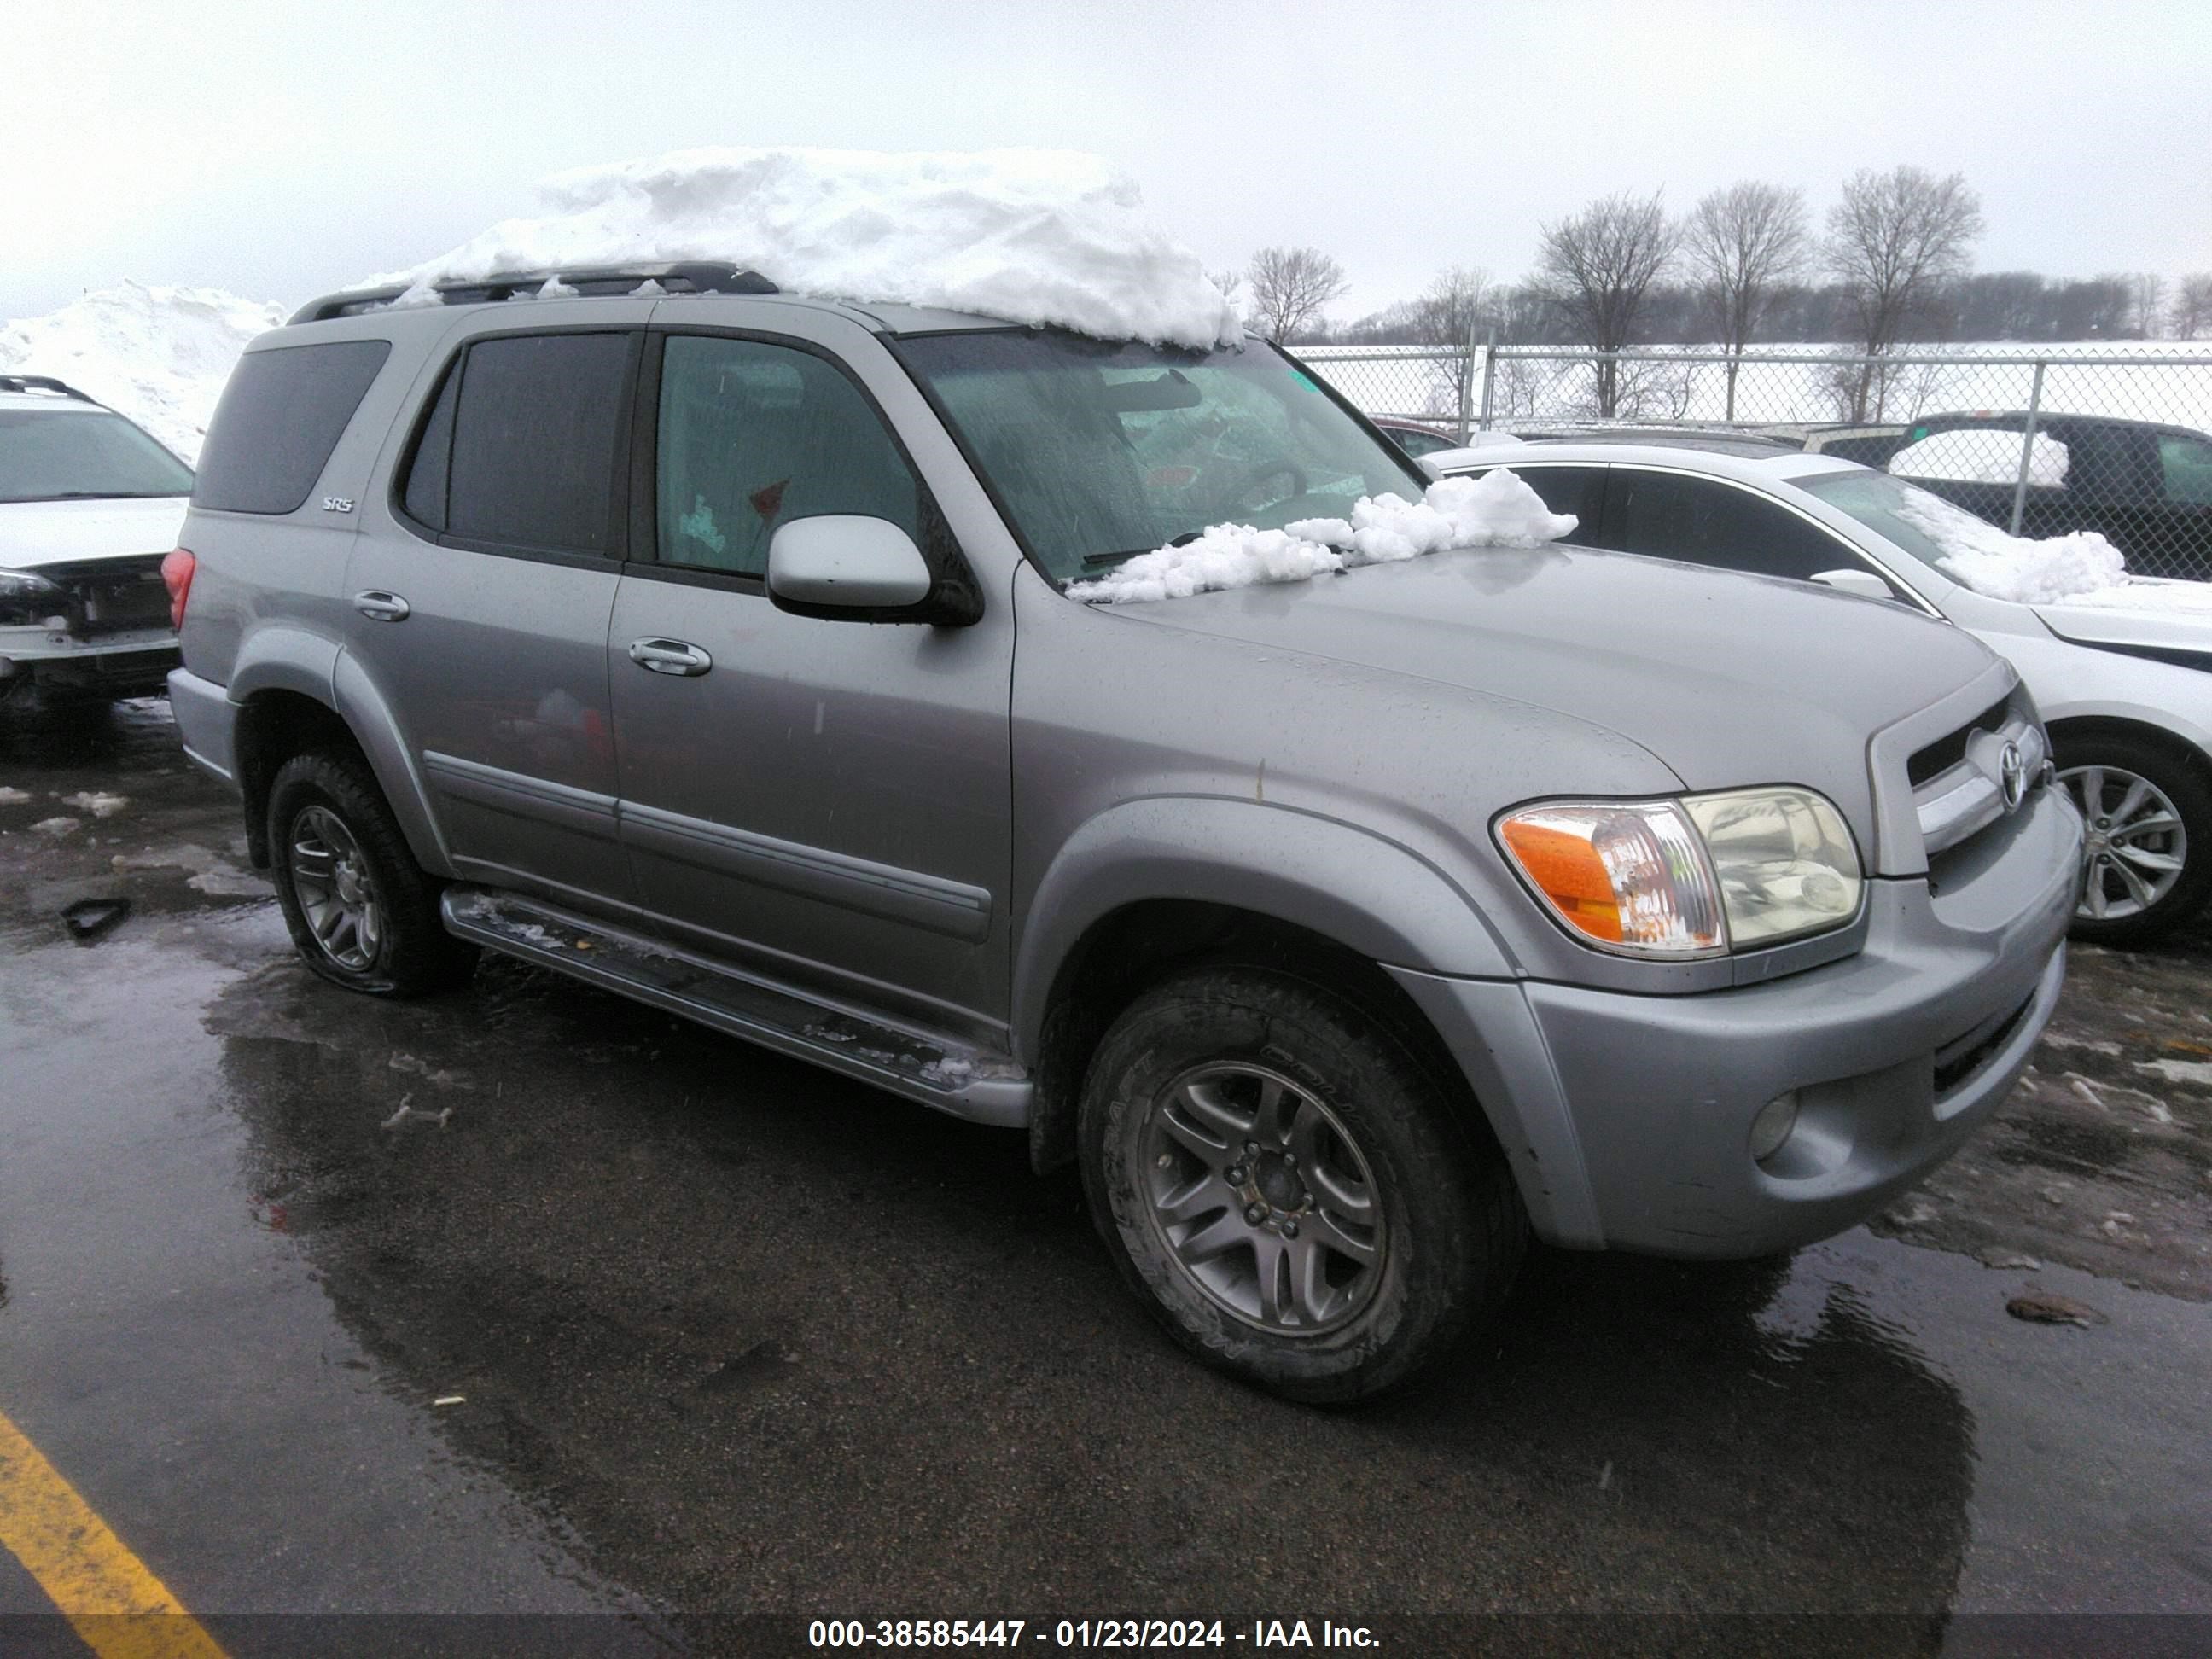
{"points": [[280, 417]]}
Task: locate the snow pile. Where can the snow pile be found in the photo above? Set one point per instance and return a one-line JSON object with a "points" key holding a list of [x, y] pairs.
{"points": [[1496, 510], [1981, 456], [1031, 235], [158, 354], [2080, 569]]}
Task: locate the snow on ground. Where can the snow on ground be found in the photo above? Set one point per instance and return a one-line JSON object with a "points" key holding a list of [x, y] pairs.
{"points": [[158, 354], [1985, 456], [2080, 568], [1496, 510], [1029, 235]]}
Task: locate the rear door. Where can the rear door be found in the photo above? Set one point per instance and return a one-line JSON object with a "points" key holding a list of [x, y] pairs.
{"points": [[480, 590], [826, 802]]}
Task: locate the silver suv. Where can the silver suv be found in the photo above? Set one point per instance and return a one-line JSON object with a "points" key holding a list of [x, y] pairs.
{"points": [[714, 646]]}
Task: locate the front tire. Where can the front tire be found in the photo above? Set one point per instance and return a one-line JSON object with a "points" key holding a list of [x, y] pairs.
{"points": [[361, 912], [2146, 865], [1288, 1188]]}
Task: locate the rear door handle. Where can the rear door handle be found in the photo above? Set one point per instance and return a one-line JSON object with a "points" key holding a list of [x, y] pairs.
{"points": [[670, 657], [380, 606]]}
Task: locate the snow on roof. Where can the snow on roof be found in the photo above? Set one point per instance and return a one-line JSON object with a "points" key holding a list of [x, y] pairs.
{"points": [[1495, 510], [1028, 236], [158, 354], [1981, 455], [2080, 568]]}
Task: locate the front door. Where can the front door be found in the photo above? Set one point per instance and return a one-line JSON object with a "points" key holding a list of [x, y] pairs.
{"points": [[826, 802], [480, 595]]}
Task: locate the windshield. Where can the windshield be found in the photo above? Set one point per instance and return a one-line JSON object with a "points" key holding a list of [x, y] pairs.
{"points": [[54, 454], [1100, 451], [1889, 507]]}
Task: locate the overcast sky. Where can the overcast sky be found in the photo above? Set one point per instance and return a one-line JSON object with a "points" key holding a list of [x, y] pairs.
{"points": [[282, 150]]}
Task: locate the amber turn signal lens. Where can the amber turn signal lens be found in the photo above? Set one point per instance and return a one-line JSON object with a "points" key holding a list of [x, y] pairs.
{"points": [[1570, 873]]}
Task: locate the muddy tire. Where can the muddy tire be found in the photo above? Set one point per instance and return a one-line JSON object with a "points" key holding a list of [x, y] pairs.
{"points": [[1287, 1186], [2147, 863], [361, 912]]}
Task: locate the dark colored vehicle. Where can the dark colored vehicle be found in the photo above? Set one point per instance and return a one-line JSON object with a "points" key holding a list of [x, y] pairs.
{"points": [[1413, 438], [2145, 486]]}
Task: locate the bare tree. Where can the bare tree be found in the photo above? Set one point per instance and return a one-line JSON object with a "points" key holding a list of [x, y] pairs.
{"points": [[1895, 240], [2146, 295], [1457, 306], [1228, 281], [1290, 286], [1599, 263], [1741, 242], [2192, 304]]}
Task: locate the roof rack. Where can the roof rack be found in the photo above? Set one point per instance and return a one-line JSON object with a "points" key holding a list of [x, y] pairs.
{"points": [[684, 276], [42, 383]]}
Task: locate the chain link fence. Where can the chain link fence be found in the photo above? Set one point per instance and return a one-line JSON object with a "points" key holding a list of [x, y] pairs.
{"points": [[2119, 443]]}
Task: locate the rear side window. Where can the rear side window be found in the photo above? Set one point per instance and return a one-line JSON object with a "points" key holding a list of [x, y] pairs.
{"points": [[522, 445], [281, 414], [1576, 489]]}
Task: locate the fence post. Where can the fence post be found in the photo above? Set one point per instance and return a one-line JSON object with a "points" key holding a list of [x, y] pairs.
{"points": [[1489, 376], [2026, 449], [1467, 382]]}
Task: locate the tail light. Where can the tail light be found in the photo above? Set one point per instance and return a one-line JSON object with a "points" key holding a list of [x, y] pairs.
{"points": [[177, 568]]}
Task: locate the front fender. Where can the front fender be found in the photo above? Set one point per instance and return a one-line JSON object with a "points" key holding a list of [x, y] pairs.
{"points": [[1345, 883]]}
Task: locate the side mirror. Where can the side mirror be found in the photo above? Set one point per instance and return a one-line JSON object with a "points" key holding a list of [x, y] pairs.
{"points": [[844, 565], [1864, 583]]}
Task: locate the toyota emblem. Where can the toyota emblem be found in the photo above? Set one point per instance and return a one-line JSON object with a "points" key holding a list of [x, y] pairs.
{"points": [[2012, 776]]}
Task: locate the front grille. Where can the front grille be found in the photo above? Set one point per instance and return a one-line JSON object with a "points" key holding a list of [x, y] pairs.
{"points": [[111, 596], [1957, 1060], [1946, 752]]}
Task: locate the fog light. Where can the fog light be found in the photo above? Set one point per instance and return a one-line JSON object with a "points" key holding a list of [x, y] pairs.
{"points": [[1772, 1126]]}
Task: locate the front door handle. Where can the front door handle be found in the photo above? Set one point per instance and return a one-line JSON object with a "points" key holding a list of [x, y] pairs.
{"points": [[380, 606], [670, 657]]}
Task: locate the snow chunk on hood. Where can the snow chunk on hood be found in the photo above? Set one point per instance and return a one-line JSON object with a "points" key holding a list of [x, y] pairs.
{"points": [[1495, 510], [2080, 569], [1047, 237], [1983, 455], [160, 356]]}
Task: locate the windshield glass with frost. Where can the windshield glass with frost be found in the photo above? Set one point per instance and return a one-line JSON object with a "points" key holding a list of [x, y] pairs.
{"points": [[1888, 507], [1100, 451], [52, 455]]}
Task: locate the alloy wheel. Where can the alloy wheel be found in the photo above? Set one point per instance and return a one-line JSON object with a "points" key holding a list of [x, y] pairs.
{"points": [[336, 894], [1263, 1198], [2137, 847]]}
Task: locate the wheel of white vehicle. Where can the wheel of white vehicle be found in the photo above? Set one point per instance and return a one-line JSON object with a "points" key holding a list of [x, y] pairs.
{"points": [[361, 912], [1288, 1187], [2147, 863]]}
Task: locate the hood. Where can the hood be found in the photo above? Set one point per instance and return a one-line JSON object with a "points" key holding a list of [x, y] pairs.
{"points": [[2151, 626], [1729, 680], [34, 533]]}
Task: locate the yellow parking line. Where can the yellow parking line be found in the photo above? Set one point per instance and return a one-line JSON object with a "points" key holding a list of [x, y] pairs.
{"points": [[120, 1609]]}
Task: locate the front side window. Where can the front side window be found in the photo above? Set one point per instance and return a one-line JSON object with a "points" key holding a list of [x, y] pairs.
{"points": [[753, 436], [2186, 464], [1702, 522], [1101, 450], [60, 455], [521, 447]]}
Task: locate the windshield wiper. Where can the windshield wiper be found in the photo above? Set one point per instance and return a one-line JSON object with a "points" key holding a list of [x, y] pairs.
{"points": [[1100, 560]]}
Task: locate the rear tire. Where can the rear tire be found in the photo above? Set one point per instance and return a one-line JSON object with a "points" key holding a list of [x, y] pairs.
{"points": [[2147, 803], [1368, 1233], [361, 912]]}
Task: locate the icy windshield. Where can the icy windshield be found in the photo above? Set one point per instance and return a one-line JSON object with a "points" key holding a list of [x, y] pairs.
{"points": [[1100, 451], [51, 454]]}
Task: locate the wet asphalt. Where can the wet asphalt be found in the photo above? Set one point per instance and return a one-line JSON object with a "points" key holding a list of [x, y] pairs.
{"points": [[724, 1336]]}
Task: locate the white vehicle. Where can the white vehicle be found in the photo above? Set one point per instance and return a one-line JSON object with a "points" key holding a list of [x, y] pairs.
{"points": [[90, 504], [2125, 684]]}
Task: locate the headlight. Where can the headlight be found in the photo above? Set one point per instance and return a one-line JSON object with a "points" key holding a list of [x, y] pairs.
{"points": [[26, 598], [1688, 878]]}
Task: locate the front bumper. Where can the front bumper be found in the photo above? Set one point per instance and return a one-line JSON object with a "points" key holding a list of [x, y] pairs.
{"points": [[1627, 1118], [131, 664]]}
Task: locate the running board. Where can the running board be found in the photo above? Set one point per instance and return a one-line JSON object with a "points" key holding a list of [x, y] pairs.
{"points": [[938, 1071]]}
